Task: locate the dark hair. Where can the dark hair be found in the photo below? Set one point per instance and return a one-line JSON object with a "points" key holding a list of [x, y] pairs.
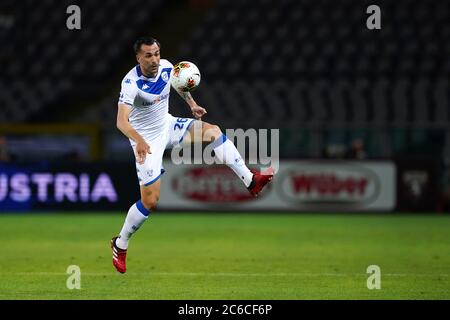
{"points": [[144, 40]]}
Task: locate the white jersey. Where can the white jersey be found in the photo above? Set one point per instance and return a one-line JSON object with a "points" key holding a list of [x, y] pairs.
{"points": [[148, 98]]}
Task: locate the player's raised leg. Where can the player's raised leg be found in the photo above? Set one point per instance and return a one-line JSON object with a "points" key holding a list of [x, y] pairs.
{"points": [[137, 215], [226, 153]]}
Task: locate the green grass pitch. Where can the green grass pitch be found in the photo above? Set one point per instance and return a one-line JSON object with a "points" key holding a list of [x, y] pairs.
{"points": [[227, 256]]}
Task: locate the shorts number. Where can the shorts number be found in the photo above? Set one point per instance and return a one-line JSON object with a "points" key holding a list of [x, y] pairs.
{"points": [[180, 123]]}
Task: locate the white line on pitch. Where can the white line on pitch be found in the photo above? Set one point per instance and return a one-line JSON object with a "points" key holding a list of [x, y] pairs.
{"points": [[230, 274]]}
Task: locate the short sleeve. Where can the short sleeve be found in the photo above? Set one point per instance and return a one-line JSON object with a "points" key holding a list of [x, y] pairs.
{"points": [[128, 92]]}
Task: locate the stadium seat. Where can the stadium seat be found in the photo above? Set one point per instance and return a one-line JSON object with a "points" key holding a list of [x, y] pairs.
{"points": [[286, 63], [57, 53]]}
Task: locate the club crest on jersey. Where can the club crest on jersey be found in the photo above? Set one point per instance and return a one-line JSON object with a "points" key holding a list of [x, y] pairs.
{"points": [[165, 76]]}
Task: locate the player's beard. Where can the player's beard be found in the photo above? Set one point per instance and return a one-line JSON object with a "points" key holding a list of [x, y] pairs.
{"points": [[152, 70]]}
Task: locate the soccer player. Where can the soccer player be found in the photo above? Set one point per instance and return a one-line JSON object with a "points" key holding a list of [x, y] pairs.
{"points": [[144, 118]]}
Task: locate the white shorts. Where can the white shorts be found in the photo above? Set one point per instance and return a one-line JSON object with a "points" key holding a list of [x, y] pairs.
{"points": [[152, 169]]}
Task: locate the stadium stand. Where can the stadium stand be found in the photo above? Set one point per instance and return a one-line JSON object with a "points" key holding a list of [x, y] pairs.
{"points": [[290, 64], [314, 64], [320, 46], [60, 65]]}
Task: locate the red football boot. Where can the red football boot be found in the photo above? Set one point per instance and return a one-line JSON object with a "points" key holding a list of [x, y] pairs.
{"points": [[119, 256], [259, 180]]}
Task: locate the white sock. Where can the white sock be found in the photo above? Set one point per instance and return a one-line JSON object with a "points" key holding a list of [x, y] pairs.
{"points": [[137, 214], [227, 153]]}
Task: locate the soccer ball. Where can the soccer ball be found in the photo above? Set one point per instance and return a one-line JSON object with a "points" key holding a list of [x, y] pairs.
{"points": [[185, 76]]}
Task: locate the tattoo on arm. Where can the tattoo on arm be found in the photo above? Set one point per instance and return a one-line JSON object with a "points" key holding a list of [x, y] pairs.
{"points": [[186, 96]]}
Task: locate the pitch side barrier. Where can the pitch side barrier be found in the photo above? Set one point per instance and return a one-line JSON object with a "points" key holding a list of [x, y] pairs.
{"points": [[53, 140], [298, 186]]}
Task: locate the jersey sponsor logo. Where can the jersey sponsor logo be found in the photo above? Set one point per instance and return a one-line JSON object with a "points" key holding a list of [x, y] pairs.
{"points": [[157, 100]]}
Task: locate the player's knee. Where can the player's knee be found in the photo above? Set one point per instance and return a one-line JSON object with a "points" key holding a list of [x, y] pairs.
{"points": [[150, 201], [213, 131], [217, 131]]}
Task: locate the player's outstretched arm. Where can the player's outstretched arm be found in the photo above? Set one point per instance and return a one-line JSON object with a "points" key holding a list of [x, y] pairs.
{"points": [[142, 148], [197, 111]]}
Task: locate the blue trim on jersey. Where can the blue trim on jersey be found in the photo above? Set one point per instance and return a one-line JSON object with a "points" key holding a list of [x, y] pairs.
{"points": [[138, 70], [141, 208], [187, 129], [154, 87], [219, 141], [127, 103], [154, 180]]}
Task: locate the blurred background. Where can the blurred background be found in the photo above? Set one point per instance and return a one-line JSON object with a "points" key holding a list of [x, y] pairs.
{"points": [[363, 114]]}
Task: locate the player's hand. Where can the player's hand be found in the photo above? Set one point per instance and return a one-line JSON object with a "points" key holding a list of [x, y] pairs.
{"points": [[142, 148], [198, 112]]}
